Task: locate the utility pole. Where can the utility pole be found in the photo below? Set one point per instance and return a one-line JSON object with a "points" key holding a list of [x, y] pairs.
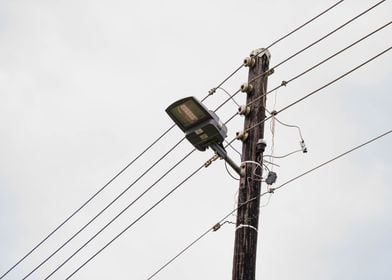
{"points": [[245, 247]]}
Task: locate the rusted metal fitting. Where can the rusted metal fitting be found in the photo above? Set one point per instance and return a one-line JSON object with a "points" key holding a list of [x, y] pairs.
{"points": [[208, 162]]}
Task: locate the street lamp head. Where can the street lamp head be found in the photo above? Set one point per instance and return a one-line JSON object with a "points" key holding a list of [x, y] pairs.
{"points": [[201, 126]]}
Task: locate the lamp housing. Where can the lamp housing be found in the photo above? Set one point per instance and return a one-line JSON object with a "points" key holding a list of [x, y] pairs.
{"points": [[201, 126]]}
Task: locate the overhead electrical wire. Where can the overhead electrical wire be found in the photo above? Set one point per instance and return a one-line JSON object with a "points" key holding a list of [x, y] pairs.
{"points": [[116, 198], [279, 40], [110, 204], [319, 89], [285, 83], [84, 204], [113, 219], [168, 194], [263, 194], [148, 148], [306, 48]]}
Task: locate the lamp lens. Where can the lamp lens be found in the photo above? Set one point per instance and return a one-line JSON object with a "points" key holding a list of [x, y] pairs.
{"points": [[188, 113]]}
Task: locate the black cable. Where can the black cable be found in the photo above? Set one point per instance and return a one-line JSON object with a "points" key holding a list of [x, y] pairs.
{"points": [[134, 222], [261, 195], [316, 42], [285, 83], [149, 147], [332, 32], [106, 207], [340, 77], [120, 213], [319, 89], [280, 39], [127, 208], [85, 203], [328, 84], [303, 25], [112, 202], [306, 48]]}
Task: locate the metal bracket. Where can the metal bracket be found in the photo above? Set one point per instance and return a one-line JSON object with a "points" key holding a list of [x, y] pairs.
{"points": [[220, 150]]}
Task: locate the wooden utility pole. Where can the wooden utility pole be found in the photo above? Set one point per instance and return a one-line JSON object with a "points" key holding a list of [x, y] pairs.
{"points": [[245, 247]]}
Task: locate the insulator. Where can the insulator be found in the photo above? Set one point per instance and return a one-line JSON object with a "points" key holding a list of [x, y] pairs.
{"points": [[249, 62], [244, 110], [245, 87], [242, 136]]}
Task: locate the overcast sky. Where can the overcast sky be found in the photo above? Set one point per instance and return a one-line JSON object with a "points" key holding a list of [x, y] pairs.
{"points": [[83, 89]]}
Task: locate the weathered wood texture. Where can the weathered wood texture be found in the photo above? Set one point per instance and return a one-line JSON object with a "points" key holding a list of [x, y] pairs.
{"points": [[245, 247]]}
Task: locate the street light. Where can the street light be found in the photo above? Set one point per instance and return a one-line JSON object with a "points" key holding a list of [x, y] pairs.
{"points": [[201, 126]]}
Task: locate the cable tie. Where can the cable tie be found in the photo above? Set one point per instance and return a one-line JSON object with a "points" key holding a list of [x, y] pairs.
{"points": [[246, 226]]}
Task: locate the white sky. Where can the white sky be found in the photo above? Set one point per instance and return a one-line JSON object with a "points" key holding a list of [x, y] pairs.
{"points": [[83, 88]]}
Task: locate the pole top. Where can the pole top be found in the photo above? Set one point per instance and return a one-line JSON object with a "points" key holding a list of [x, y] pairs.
{"points": [[260, 52]]}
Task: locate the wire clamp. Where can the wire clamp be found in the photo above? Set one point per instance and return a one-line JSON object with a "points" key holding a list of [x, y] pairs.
{"points": [[271, 190], [211, 91], [270, 72], [284, 83], [246, 226], [216, 227], [208, 162]]}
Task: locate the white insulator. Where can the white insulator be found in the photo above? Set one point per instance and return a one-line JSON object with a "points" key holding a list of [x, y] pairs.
{"points": [[245, 87], [249, 62], [242, 136], [244, 110]]}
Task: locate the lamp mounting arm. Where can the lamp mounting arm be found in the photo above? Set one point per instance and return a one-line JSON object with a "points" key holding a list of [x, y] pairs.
{"points": [[220, 150]]}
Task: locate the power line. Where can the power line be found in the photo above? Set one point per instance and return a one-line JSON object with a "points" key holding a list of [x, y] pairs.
{"points": [[212, 91], [308, 95], [134, 222], [148, 148], [322, 87], [303, 25], [330, 33], [115, 199], [265, 193], [120, 213], [86, 202], [284, 83], [106, 207]]}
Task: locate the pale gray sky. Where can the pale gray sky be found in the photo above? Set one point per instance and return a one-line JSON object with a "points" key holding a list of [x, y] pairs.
{"points": [[83, 88]]}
